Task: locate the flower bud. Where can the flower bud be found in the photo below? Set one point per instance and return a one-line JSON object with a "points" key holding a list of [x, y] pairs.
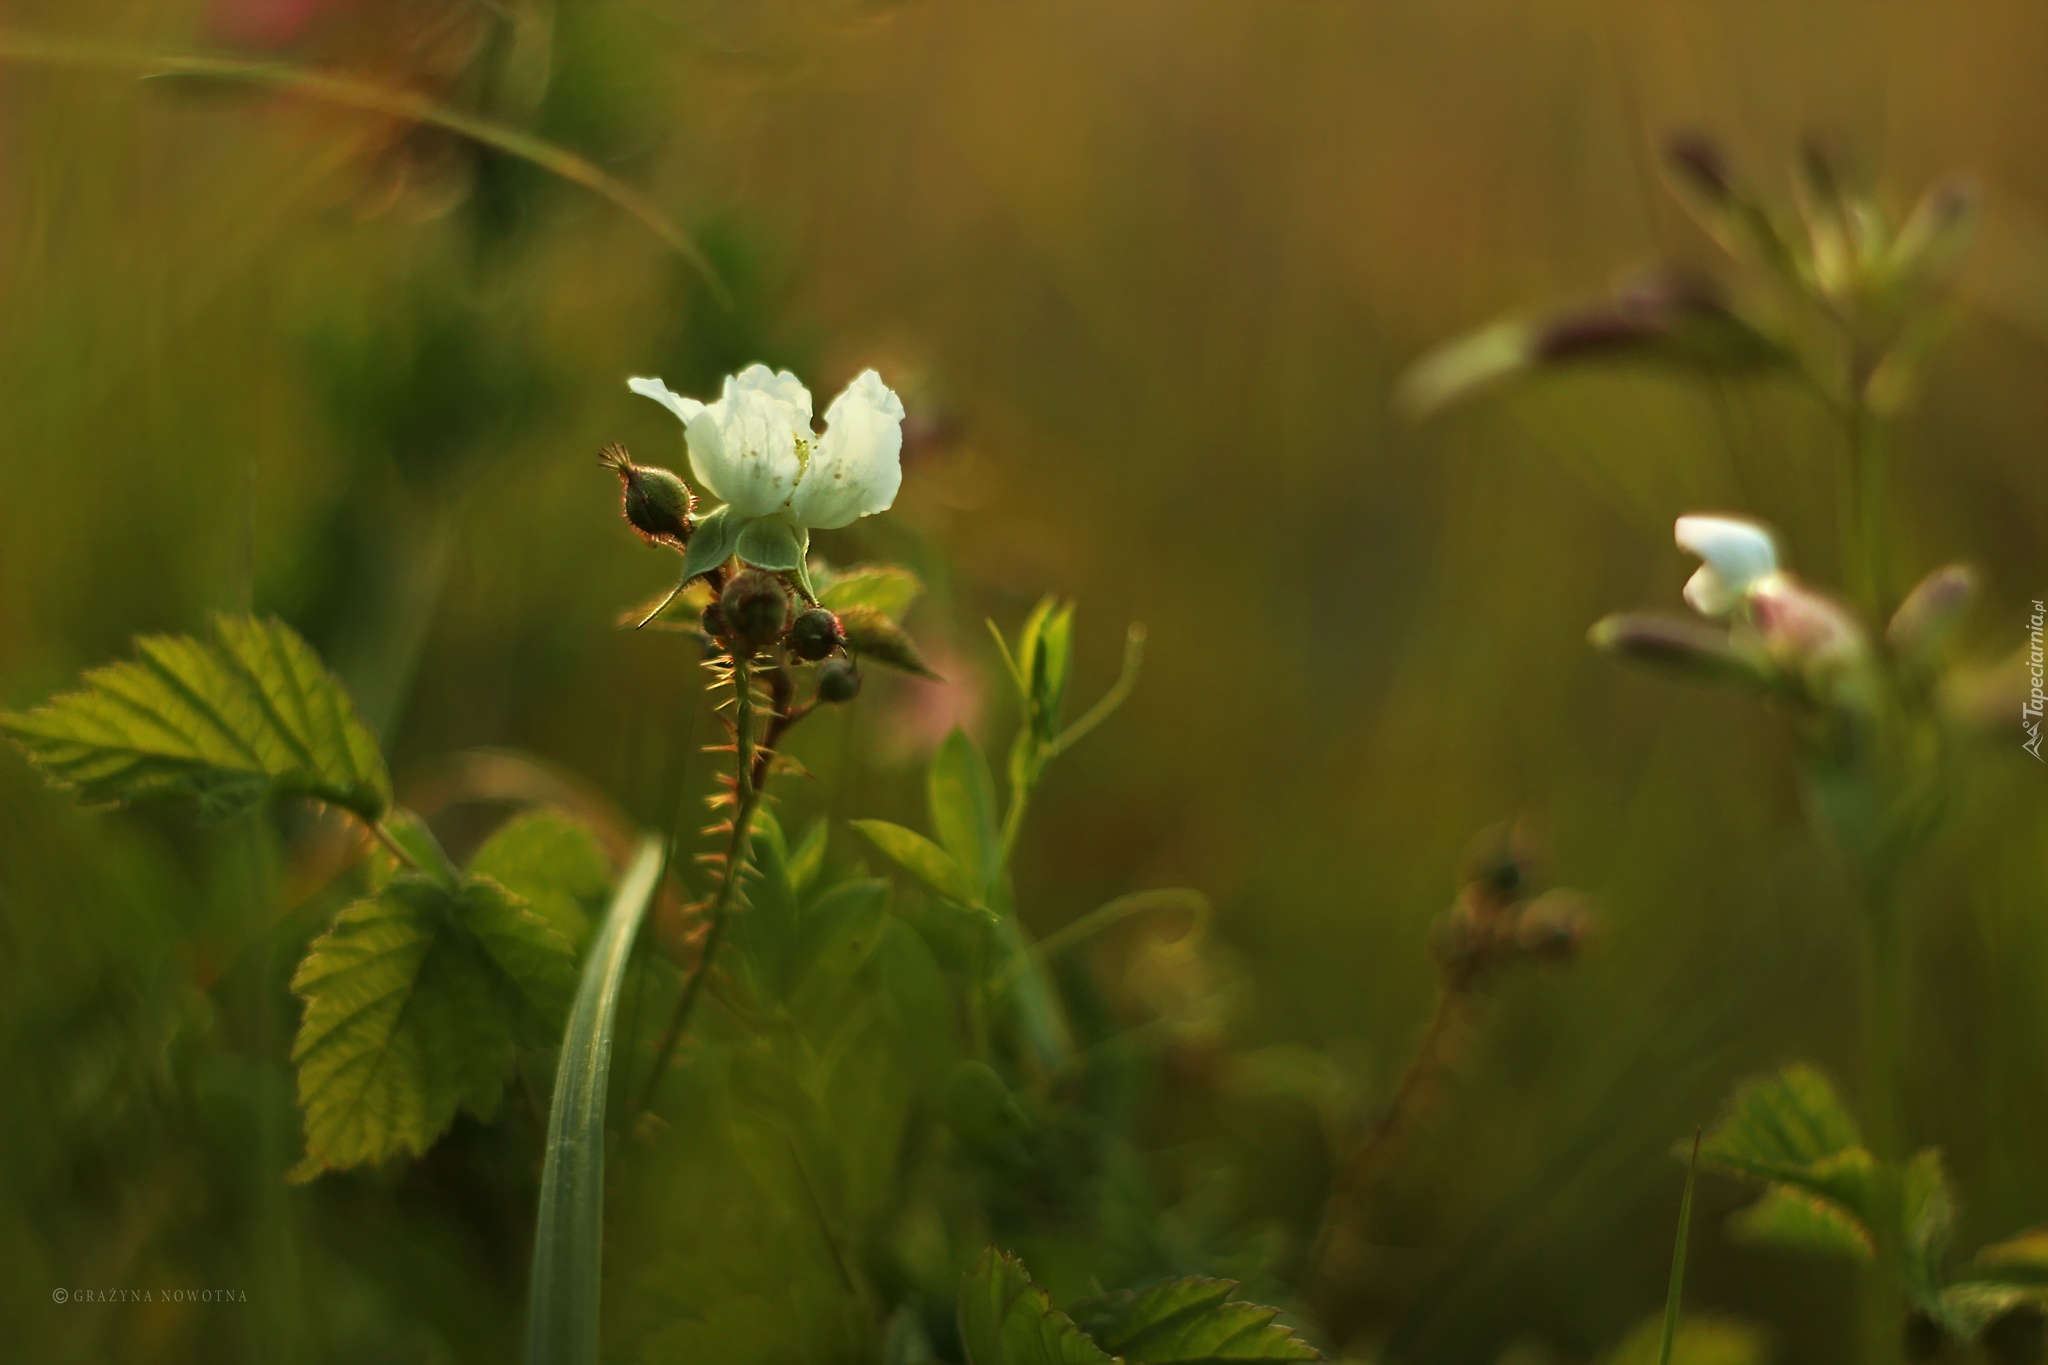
{"points": [[657, 503], [1700, 162], [1553, 926], [755, 606], [815, 634], [1814, 641], [838, 681], [1924, 623], [1672, 642]]}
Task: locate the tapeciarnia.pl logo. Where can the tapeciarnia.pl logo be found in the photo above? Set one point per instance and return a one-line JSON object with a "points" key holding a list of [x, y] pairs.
{"points": [[2030, 710]]}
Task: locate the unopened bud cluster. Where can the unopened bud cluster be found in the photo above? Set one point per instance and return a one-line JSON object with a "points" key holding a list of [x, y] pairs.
{"points": [[1499, 918]]}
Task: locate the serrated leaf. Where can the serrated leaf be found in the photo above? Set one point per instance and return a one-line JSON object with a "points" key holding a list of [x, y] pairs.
{"points": [[873, 587], [1187, 1322], [1005, 1319], [713, 541], [962, 795], [249, 713], [415, 1000], [921, 858], [1802, 1221], [1792, 1128], [872, 635], [551, 862]]}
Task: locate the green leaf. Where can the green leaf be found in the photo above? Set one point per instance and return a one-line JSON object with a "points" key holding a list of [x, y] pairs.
{"points": [[415, 1000], [807, 859], [764, 934], [229, 720], [1968, 1307], [1045, 649], [884, 588], [1929, 1214], [1802, 1221], [2021, 1260], [1791, 1128], [872, 635], [1005, 1319], [1460, 368], [962, 795], [711, 544], [568, 1244], [921, 858], [1187, 1322], [773, 544], [1699, 1341], [1674, 1293], [840, 933], [551, 862]]}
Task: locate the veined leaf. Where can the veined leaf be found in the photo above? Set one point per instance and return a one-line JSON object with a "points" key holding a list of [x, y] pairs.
{"points": [[229, 720], [962, 795], [921, 858], [551, 862], [1005, 1319], [1187, 1322], [415, 1000], [568, 1241], [875, 587], [1803, 1221], [1791, 1128], [872, 635]]}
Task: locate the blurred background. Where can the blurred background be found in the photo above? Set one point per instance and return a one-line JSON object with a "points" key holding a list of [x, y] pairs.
{"points": [[1145, 275]]}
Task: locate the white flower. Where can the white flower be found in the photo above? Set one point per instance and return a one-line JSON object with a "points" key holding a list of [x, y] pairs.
{"points": [[754, 448], [1739, 559]]}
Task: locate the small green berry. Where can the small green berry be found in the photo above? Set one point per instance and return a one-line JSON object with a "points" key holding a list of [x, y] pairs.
{"points": [[755, 606], [838, 681], [815, 634]]}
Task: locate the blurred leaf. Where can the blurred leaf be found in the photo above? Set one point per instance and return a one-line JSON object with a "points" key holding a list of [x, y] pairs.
{"points": [[1674, 1294], [874, 587], [921, 858], [872, 635], [765, 931], [807, 859], [551, 862], [841, 932], [1929, 1214], [562, 1312], [1698, 1341], [1792, 1128], [2022, 1259], [1045, 658], [711, 544], [1458, 369], [680, 610], [415, 999], [1802, 1221], [249, 713], [1187, 1322], [1005, 1319], [962, 795], [1967, 1308]]}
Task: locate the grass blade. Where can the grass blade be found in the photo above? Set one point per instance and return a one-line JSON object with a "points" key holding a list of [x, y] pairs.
{"points": [[568, 1245], [1677, 1290]]}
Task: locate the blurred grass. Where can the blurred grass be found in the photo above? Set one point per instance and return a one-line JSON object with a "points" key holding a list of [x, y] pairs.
{"points": [[1155, 267]]}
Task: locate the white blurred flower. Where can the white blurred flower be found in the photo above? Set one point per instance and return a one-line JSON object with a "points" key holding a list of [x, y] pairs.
{"points": [[1739, 559], [754, 448]]}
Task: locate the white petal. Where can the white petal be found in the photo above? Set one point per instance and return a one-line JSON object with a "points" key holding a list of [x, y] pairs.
{"points": [[685, 408], [1708, 595], [780, 385], [858, 465], [743, 447], [1738, 554]]}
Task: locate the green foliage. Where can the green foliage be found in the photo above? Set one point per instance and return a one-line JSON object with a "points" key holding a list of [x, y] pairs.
{"points": [[551, 862], [416, 998], [1187, 1322], [1791, 1129], [713, 542], [562, 1308], [872, 635], [248, 713], [1698, 1341], [961, 793], [1005, 1319], [1674, 1294], [885, 588], [921, 858]]}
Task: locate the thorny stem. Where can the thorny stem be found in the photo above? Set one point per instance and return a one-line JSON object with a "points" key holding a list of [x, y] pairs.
{"points": [[746, 799], [1332, 1256]]}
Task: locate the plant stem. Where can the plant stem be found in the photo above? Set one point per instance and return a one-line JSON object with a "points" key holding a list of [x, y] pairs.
{"points": [[391, 845], [1332, 1256], [1884, 1054], [746, 800]]}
